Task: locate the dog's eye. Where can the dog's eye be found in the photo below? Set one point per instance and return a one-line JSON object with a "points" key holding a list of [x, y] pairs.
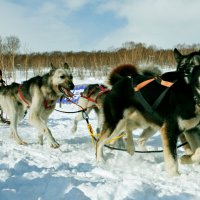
{"points": [[62, 77]]}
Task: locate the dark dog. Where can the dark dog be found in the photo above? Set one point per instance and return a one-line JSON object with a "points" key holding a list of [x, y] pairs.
{"points": [[39, 94], [177, 112]]}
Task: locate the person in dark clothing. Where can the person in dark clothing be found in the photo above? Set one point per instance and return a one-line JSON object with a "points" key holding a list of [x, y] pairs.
{"points": [[2, 84]]}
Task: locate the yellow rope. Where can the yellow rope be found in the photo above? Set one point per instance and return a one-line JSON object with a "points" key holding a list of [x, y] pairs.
{"points": [[92, 134], [116, 138]]}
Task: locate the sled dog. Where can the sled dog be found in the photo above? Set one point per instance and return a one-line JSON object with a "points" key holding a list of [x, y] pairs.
{"points": [[91, 99], [38, 94], [129, 106]]}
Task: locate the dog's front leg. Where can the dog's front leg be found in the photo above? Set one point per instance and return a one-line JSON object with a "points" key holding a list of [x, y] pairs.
{"points": [[36, 115], [100, 116], [43, 130], [40, 138], [169, 141], [78, 118]]}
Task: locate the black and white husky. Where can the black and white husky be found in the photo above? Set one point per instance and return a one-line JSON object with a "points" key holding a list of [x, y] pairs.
{"points": [[128, 106], [38, 94]]}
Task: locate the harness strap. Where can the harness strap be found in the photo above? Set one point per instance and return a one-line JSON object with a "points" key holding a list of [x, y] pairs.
{"points": [[166, 83], [160, 98], [21, 96], [143, 84], [102, 88], [158, 79], [88, 96], [151, 109], [163, 83], [46, 106], [102, 91]]}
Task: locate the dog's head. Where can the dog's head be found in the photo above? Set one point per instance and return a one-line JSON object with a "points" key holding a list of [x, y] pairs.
{"points": [[195, 83], [186, 63], [62, 80]]}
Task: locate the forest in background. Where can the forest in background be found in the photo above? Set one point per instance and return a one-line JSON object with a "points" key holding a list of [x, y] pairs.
{"points": [[95, 61]]}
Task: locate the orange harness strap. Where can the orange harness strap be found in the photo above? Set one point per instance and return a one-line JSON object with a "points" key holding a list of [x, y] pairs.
{"points": [[166, 83], [144, 83]]}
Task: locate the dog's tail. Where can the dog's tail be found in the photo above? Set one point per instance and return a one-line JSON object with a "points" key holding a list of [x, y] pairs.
{"points": [[122, 71]]}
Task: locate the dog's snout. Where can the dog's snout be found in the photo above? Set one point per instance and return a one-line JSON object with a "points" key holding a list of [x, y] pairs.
{"points": [[71, 85]]}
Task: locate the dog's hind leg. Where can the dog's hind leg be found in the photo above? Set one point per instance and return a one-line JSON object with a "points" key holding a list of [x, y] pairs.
{"points": [[107, 137], [99, 145], [187, 147], [146, 134], [15, 114], [129, 139], [169, 140]]}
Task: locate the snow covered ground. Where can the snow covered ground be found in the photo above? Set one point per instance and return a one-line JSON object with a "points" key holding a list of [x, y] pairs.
{"points": [[35, 172]]}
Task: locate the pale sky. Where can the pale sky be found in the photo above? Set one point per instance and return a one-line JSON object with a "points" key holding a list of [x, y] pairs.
{"points": [[92, 25]]}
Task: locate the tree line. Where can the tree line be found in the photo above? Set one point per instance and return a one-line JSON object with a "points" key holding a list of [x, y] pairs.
{"points": [[130, 52]]}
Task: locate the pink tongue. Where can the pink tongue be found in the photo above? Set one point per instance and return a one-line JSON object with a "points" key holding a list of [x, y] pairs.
{"points": [[68, 93]]}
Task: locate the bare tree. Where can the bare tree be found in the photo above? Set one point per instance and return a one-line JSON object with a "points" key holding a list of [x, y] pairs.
{"points": [[1, 53], [12, 45]]}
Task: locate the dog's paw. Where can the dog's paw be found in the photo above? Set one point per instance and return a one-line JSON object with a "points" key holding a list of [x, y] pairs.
{"points": [[100, 160], [55, 145], [73, 129], [22, 142], [196, 156], [131, 150], [173, 174], [186, 159], [40, 140]]}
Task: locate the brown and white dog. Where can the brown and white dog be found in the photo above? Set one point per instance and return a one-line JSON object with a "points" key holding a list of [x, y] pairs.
{"points": [[91, 98], [38, 94]]}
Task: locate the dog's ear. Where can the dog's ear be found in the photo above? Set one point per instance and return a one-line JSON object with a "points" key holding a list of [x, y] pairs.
{"points": [[66, 66], [52, 70], [178, 56], [52, 66]]}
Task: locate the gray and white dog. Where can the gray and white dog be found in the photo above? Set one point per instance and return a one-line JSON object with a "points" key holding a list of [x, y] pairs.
{"points": [[39, 94]]}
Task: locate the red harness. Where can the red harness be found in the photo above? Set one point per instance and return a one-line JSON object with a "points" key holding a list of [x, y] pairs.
{"points": [[102, 91], [46, 106]]}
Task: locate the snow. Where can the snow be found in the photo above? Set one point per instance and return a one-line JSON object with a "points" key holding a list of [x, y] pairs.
{"points": [[35, 172]]}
